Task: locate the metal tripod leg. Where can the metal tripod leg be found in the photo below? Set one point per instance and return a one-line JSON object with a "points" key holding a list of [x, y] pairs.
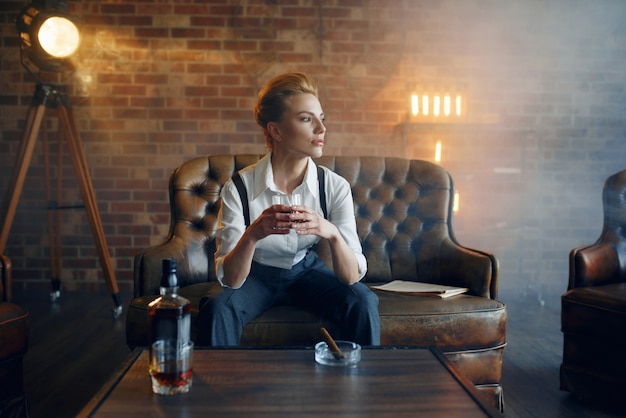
{"points": [[77, 154], [54, 216], [25, 153]]}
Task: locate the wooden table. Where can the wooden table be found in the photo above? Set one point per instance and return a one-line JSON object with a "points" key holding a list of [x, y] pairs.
{"points": [[402, 382]]}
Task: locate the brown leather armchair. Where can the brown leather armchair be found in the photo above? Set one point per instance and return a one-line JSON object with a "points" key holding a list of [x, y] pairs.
{"points": [[593, 310], [403, 209], [14, 328]]}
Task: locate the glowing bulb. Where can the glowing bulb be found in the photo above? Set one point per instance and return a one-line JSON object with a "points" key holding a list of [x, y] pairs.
{"points": [[438, 152], [59, 37], [455, 205], [446, 105], [415, 109], [425, 104], [458, 105], [436, 105]]}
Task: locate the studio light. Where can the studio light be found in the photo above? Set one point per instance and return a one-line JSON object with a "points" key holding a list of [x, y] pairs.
{"points": [[49, 36]]}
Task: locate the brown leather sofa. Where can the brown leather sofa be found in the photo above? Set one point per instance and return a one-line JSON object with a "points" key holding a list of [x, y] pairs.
{"points": [[593, 310], [14, 329], [403, 209]]}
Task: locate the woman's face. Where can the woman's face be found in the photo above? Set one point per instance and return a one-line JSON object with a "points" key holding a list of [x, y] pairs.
{"points": [[301, 129]]}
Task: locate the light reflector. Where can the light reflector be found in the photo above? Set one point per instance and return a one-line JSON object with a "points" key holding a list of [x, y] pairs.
{"points": [[59, 37]]}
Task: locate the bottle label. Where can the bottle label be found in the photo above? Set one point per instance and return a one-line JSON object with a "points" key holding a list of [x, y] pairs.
{"points": [[168, 327]]}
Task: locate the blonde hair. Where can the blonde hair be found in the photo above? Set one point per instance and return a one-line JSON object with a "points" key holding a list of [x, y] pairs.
{"points": [[270, 105]]}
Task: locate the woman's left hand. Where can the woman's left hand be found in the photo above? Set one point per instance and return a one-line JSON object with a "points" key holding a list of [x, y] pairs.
{"points": [[309, 222]]}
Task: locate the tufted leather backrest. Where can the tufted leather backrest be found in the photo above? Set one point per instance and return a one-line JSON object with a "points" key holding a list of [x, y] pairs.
{"points": [[610, 247], [403, 213], [614, 204]]}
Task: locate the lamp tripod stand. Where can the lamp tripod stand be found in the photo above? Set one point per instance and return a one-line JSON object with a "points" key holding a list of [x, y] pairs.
{"points": [[54, 97]]}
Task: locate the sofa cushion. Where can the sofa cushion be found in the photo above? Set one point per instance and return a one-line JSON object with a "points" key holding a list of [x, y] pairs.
{"points": [[595, 311], [463, 322]]}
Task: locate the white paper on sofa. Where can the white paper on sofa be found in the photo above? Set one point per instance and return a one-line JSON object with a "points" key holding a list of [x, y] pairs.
{"points": [[425, 289]]}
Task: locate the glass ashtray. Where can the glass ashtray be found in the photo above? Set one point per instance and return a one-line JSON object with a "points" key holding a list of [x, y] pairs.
{"points": [[350, 354]]}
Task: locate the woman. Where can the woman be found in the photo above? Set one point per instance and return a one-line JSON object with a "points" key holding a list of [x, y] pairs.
{"points": [[270, 261]]}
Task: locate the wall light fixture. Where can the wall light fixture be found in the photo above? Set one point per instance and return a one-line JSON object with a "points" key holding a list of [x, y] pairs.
{"points": [[432, 104]]}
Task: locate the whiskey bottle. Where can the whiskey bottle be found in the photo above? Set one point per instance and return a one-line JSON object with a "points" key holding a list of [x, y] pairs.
{"points": [[169, 314]]}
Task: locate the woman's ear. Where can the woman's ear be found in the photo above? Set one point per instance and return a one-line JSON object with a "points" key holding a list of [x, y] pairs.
{"points": [[272, 128]]}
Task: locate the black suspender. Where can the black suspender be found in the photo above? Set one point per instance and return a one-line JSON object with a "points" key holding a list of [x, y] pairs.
{"points": [[322, 184], [243, 194]]}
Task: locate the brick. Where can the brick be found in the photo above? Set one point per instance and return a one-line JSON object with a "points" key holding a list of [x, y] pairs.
{"points": [[130, 113], [166, 113], [109, 101], [6, 100], [204, 45], [147, 101], [127, 206], [163, 137], [97, 20], [186, 56], [155, 9], [141, 149], [237, 91], [205, 21], [348, 48], [150, 196], [115, 125], [170, 125], [135, 20], [127, 8], [128, 161], [132, 43], [188, 9], [201, 91], [187, 33], [151, 32], [299, 11], [204, 68], [129, 90], [151, 78]]}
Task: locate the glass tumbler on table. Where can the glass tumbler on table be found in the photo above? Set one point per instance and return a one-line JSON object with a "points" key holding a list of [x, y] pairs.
{"points": [[171, 368]]}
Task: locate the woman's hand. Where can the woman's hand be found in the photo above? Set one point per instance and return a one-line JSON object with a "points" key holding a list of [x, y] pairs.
{"points": [[273, 220], [308, 222]]}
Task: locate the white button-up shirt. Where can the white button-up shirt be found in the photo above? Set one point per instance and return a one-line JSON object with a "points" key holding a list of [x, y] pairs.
{"points": [[284, 251]]}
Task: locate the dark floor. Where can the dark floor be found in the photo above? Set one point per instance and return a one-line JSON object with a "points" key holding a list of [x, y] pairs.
{"points": [[76, 345], [530, 375]]}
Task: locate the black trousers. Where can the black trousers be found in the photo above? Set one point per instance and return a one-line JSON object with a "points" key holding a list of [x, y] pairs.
{"points": [[309, 285]]}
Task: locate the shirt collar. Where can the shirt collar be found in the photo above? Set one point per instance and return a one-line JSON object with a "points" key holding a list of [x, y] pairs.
{"points": [[265, 178]]}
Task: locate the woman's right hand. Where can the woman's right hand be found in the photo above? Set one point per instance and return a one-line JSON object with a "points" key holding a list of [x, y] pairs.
{"points": [[274, 220]]}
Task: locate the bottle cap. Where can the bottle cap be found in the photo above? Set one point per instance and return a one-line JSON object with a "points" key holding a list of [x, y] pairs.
{"points": [[168, 278]]}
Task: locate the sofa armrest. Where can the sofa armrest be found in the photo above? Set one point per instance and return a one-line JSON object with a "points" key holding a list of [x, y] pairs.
{"points": [[593, 265], [194, 262], [467, 267]]}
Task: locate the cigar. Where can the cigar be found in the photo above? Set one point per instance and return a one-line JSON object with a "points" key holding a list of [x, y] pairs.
{"points": [[331, 344]]}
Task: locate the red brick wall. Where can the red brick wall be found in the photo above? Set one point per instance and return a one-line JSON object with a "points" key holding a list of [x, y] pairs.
{"points": [[159, 83]]}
